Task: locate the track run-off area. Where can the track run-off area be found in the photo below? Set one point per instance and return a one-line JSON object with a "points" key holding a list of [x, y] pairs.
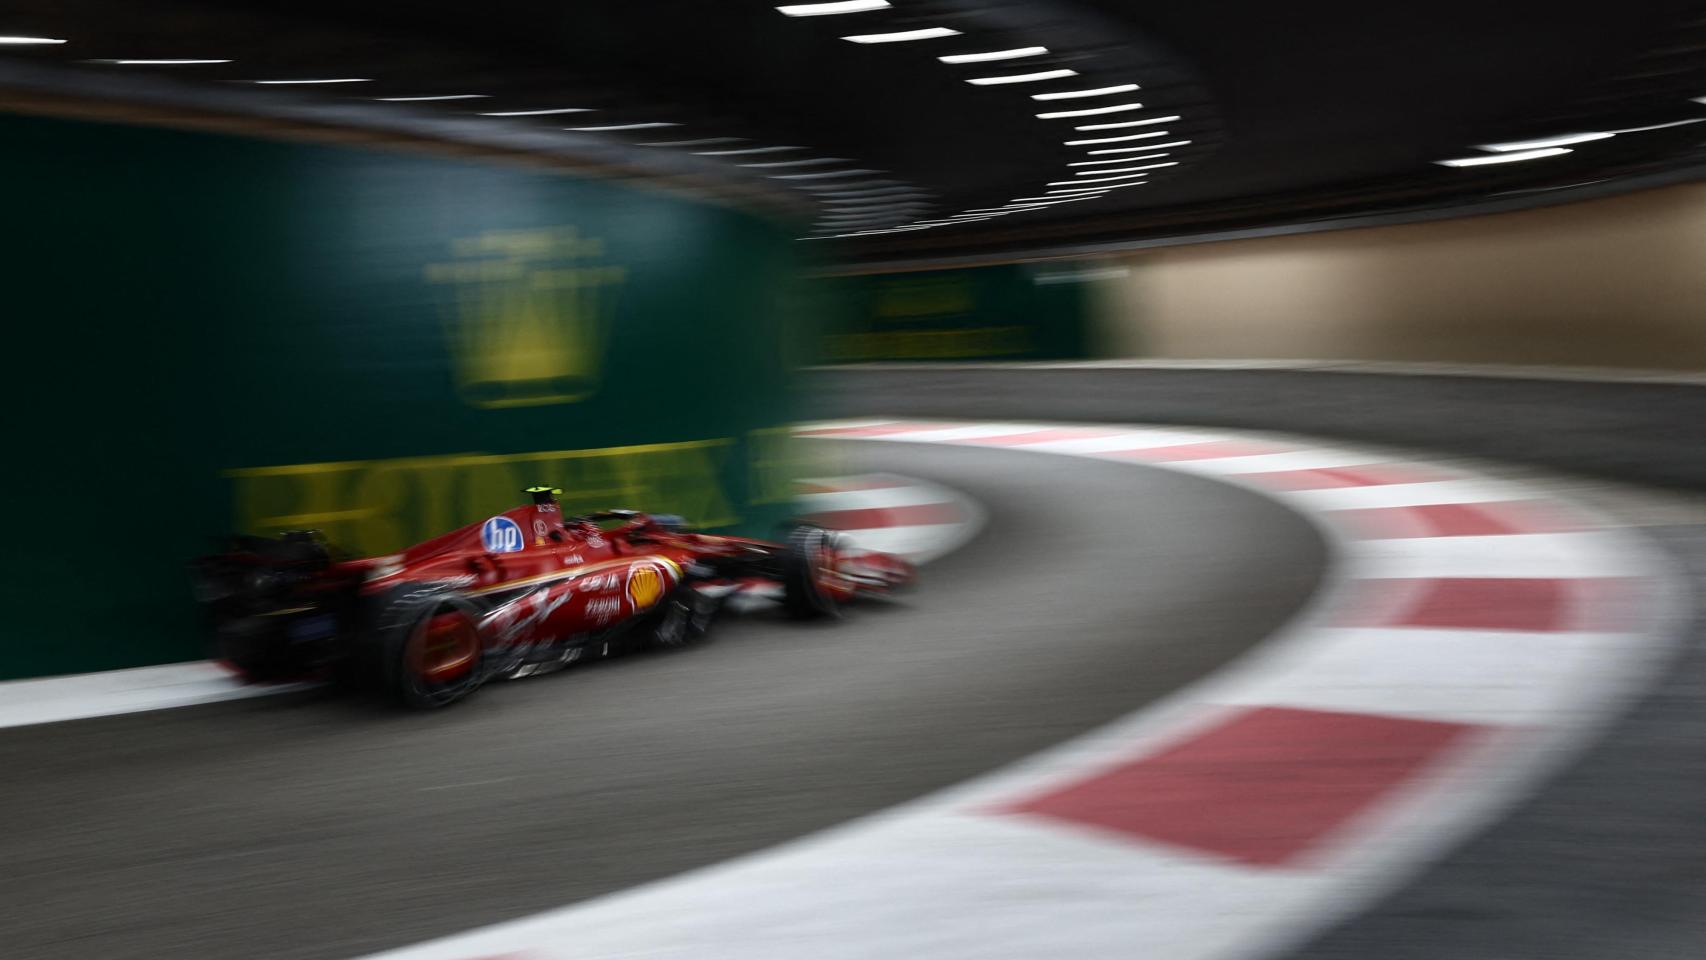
{"points": [[1188, 693]]}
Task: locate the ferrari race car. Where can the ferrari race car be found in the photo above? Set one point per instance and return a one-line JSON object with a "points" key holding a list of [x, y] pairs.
{"points": [[528, 591]]}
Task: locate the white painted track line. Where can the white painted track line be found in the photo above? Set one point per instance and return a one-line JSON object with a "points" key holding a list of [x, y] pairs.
{"points": [[52, 699]]}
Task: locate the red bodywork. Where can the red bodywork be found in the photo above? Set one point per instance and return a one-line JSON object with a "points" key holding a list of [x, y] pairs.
{"points": [[523, 592]]}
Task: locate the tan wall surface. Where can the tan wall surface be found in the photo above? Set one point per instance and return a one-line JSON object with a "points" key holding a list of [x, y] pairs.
{"points": [[1613, 282]]}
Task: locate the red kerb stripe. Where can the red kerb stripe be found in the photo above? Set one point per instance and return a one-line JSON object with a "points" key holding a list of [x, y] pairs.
{"points": [[1204, 450], [1266, 786], [1455, 520], [1369, 475]]}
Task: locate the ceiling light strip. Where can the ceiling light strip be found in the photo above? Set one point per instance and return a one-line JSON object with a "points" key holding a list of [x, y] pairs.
{"points": [[160, 63], [1503, 157], [745, 151], [1149, 166], [1138, 149], [1124, 139], [1012, 54], [1566, 140], [1127, 123], [831, 9], [1096, 92], [821, 176], [700, 142], [901, 36], [1022, 77], [1125, 176], [609, 127], [536, 113], [1089, 112], [448, 96], [1092, 163], [810, 162]]}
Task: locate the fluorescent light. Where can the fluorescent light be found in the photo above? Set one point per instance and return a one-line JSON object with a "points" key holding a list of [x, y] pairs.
{"points": [[822, 189], [1503, 157], [1699, 99], [1123, 176], [896, 216], [1150, 166], [1092, 163], [812, 162], [875, 203], [1126, 123], [860, 196], [1516, 146], [928, 33], [1661, 126], [830, 9], [23, 41], [1089, 112], [1022, 77], [453, 96], [158, 63], [701, 142], [873, 192], [819, 176], [1012, 54], [329, 80], [1147, 146], [1074, 94], [536, 113], [1128, 137], [743, 151], [623, 126]]}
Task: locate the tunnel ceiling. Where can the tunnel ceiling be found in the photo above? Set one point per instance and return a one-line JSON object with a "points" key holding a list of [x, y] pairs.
{"points": [[1243, 114]]}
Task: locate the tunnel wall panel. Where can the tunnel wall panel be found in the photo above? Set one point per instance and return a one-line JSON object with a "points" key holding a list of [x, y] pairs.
{"points": [[1002, 312], [1609, 282]]}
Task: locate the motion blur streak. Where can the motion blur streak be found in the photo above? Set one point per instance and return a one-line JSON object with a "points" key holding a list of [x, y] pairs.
{"points": [[373, 359]]}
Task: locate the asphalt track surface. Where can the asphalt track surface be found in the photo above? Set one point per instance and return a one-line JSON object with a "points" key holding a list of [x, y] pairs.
{"points": [[320, 826]]}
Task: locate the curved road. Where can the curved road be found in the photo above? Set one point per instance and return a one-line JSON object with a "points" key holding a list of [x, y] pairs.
{"points": [[321, 827]]}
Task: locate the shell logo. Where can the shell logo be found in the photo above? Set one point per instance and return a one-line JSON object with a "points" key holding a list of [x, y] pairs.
{"points": [[645, 585]]}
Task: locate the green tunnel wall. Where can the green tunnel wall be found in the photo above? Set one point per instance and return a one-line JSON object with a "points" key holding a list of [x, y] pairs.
{"points": [[212, 332], [999, 312]]}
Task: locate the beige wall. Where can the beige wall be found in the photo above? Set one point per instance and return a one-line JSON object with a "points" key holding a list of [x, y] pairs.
{"points": [[1615, 282]]}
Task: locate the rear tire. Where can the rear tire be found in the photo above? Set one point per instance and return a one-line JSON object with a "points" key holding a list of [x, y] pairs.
{"points": [[808, 562], [432, 651]]}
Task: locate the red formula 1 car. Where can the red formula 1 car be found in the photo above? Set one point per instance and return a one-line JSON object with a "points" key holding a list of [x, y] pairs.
{"points": [[525, 592]]}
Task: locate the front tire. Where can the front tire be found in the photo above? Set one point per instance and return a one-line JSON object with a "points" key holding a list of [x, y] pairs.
{"points": [[808, 573]]}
